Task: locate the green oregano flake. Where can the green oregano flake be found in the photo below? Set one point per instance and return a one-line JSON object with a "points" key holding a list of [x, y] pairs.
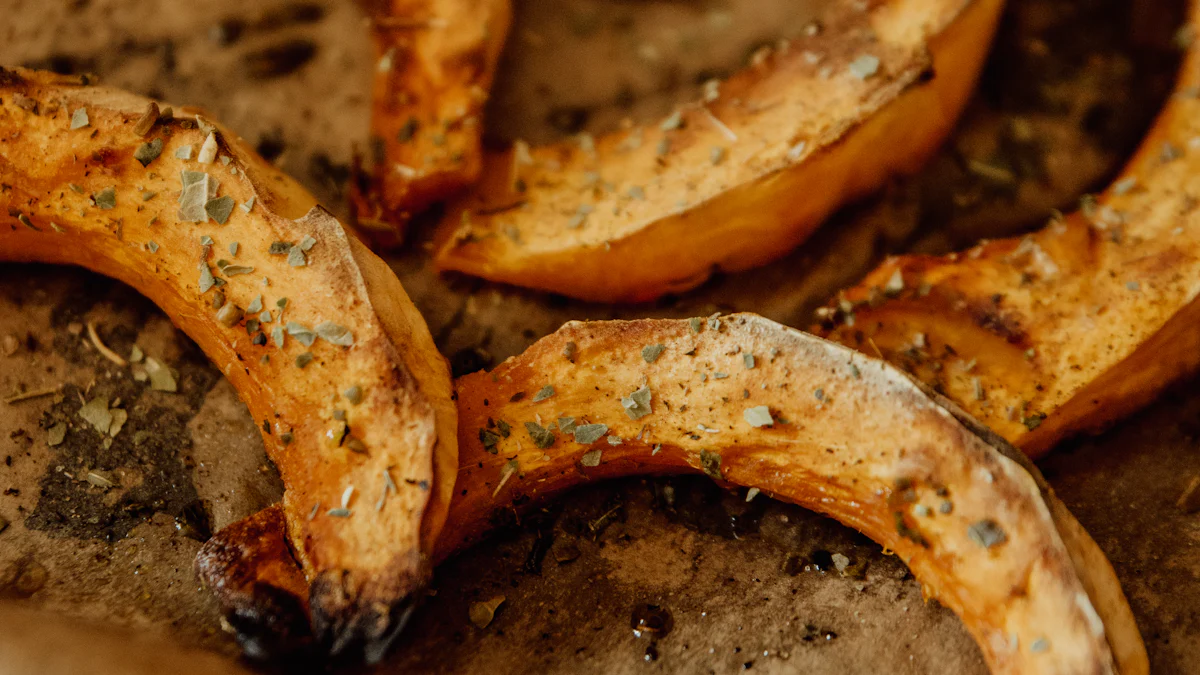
{"points": [[279, 248], [543, 393], [296, 257], [569, 351], [566, 425], [696, 323], [490, 440], [542, 437], [236, 270], [183, 152], [748, 359], [219, 209], [307, 243], [207, 280], [148, 152], [353, 394], [265, 316], [256, 304], [277, 336], [987, 533], [304, 359], [302, 333], [161, 377], [637, 404], [650, 353], [106, 199], [504, 427], [710, 463], [720, 376], [758, 416], [230, 314], [586, 434], [281, 303], [591, 458], [334, 334]]}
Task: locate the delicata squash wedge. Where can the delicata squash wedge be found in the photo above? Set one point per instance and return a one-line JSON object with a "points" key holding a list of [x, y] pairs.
{"points": [[1067, 329], [435, 60], [737, 179], [753, 403], [314, 332]]}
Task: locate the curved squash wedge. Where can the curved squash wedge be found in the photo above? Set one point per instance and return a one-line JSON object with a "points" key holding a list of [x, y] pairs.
{"points": [[753, 403], [1067, 329], [736, 180], [434, 63], [314, 332]]}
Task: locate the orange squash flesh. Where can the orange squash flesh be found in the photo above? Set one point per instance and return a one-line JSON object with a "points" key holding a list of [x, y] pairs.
{"points": [[732, 182], [1067, 329]]}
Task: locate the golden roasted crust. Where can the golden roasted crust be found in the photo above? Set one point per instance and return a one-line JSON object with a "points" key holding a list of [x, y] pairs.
{"points": [[732, 182], [847, 435], [89, 200], [434, 64], [1067, 329]]}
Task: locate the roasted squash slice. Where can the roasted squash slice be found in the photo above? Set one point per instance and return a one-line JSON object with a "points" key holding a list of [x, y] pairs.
{"points": [[753, 403], [435, 60], [735, 180], [1067, 329], [315, 332]]}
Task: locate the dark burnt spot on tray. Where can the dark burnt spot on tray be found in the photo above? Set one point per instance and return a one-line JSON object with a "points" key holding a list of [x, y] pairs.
{"points": [[97, 490]]}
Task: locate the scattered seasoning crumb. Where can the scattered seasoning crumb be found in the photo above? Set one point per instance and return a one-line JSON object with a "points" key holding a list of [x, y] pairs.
{"points": [[56, 434], [334, 334], [490, 440], [986, 533], [637, 404], [748, 359], [716, 155], [146, 122], [895, 283], [752, 493], [591, 458], [79, 119], [148, 152], [236, 270], [230, 315], [696, 324], [208, 150], [542, 437], [183, 152], [482, 613], [97, 480], [636, 192], [710, 463], [247, 205], [758, 416], [219, 209], [650, 353], [296, 257], [353, 394], [795, 152], [161, 378], [544, 393], [106, 199], [96, 413], [304, 359], [135, 354], [569, 351], [339, 513], [586, 434], [720, 375], [301, 333], [864, 66], [664, 147]]}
